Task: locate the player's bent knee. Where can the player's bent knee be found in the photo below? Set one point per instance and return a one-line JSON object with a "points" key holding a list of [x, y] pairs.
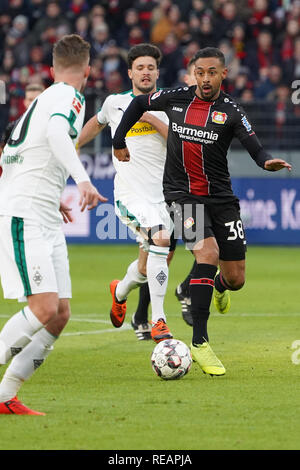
{"points": [[44, 306], [159, 236], [64, 311]]}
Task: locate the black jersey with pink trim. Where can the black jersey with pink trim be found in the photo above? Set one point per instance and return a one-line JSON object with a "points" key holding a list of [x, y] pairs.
{"points": [[200, 134]]}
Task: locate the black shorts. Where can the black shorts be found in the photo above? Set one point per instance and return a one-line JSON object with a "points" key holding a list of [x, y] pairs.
{"points": [[194, 221]]}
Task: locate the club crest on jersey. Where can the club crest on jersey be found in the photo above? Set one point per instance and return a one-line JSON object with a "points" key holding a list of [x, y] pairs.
{"points": [[218, 117], [156, 95], [189, 222], [76, 105]]}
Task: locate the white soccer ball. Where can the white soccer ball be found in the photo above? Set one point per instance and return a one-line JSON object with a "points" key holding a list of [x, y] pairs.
{"points": [[171, 359]]}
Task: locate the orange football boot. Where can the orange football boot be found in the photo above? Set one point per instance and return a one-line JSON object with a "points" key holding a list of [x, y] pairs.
{"points": [[15, 407], [160, 331], [118, 309]]}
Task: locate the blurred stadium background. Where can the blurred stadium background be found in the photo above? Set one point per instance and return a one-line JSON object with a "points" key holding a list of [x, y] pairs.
{"points": [[261, 43]]}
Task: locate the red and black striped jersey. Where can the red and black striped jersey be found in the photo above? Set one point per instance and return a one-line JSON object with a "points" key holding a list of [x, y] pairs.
{"points": [[200, 134]]}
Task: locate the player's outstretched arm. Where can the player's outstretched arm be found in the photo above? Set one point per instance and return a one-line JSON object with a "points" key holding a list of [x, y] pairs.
{"points": [[132, 114], [91, 129], [58, 138], [277, 164], [155, 122]]}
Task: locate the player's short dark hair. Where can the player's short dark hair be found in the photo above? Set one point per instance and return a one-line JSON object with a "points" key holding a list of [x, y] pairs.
{"points": [[208, 52], [142, 50], [191, 63]]}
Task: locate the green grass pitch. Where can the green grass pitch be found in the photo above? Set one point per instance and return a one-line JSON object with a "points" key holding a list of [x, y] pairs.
{"points": [[99, 391]]}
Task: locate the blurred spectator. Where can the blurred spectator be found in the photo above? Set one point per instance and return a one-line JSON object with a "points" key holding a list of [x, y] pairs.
{"points": [[145, 8], [291, 68], [226, 19], [16, 39], [238, 40], [260, 17], [115, 11], [76, 8], [288, 39], [201, 30], [160, 11], [100, 39], [232, 62], [170, 22], [114, 82], [16, 7], [113, 61], [283, 112], [172, 60], [52, 18], [262, 54], [135, 36], [189, 52], [247, 96], [270, 79], [131, 20], [81, 27], [96, 78], [36, 11], [31, 92], [37, 65], [199, 8]]}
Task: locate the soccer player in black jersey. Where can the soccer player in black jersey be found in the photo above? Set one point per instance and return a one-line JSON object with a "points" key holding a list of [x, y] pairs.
{"points": [[197, 185]]}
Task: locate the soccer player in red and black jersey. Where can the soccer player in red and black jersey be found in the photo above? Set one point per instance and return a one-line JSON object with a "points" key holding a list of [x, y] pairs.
{"points": [[197, 185]]}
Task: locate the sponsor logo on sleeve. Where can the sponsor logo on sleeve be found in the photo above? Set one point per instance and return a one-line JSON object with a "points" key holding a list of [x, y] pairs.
{"points": [[76, 105], [246, 124]]}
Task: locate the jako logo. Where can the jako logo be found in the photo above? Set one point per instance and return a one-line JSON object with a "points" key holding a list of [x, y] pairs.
{"points": [[177, 109]]}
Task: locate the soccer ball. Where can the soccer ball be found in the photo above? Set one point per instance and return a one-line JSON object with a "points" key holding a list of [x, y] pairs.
{"points": [[171, 359]]}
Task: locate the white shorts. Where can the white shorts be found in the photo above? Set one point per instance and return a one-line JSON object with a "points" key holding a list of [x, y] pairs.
{"points": [[137, 213], [33, 259]]}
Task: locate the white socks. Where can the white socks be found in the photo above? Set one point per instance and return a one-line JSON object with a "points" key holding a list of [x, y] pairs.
{"points": [[157, 277], [17, 333], [157, 274], [25, 363], [132, 279]]}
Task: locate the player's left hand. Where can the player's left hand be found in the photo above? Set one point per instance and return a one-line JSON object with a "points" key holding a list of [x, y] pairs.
{"points": [[65, 212], [146, 117], [277, 164], [122, 155]]}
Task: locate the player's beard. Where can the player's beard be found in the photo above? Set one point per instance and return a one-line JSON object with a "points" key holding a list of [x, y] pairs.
{"points": [[209, 95], [146, 89]]}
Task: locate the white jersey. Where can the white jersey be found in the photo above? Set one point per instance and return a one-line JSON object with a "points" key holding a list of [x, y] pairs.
{"points": [[143, 174], [33, 179]]}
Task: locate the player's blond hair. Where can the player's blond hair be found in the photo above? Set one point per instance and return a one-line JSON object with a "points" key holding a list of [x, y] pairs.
{"points": [[71, 51]]}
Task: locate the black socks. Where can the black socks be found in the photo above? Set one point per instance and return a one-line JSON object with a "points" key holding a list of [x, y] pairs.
{"points": [[201, 290], [141, 315]]}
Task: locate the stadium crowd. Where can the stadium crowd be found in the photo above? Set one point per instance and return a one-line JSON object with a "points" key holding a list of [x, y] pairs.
{"points": [[260, 40]]}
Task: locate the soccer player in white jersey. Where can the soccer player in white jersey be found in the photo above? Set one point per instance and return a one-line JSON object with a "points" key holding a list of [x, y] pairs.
{"points": [[34, 260], [139, 201]]}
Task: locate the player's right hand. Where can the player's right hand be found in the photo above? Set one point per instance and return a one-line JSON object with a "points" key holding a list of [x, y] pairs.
{"points": [[122, 155], [89, 196]]}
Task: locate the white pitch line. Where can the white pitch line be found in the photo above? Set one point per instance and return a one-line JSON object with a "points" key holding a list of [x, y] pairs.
{"points": [[125, 327], [90, 320]]}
